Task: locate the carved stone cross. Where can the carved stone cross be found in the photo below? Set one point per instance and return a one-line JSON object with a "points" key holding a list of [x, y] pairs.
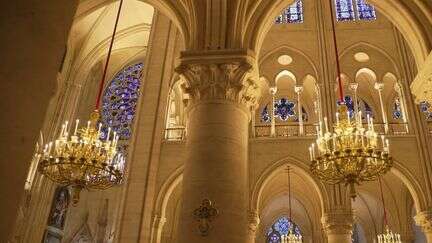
{"points": [[204, 215]]}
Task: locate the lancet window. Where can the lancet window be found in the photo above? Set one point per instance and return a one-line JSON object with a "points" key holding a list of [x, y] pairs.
{"points": [[292, 14], [346, 10], [284, 110]]}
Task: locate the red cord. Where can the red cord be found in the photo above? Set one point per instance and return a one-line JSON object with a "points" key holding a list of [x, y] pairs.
{"points": [[101, 85], [289, 192], [339, 78], [382, 199]]}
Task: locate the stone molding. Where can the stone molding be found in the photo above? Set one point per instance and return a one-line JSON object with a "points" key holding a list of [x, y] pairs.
{"points": [[338, 222], [424, 220], [254, 220], [231, 79], [421, 87]]}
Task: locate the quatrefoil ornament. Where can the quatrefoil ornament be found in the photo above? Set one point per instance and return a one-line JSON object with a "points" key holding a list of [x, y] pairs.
{"points": [[204, 215]]}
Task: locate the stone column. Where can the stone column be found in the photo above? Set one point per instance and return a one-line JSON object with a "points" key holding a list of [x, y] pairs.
{"points": [[380, 88], [273, 91], [253, 226], [215, 199], [424, 220], [299, 89], [338, 226]]}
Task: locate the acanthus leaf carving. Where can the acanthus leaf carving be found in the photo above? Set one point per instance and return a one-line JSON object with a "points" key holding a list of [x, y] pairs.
{"points": [[230, 81]]}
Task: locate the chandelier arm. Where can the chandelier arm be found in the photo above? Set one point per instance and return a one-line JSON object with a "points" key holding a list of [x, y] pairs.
{"points": [[383, 202], [101, 85], [339, 79]]}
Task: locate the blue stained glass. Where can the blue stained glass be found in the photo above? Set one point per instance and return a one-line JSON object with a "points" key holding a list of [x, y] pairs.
{"points": [[344, 10], [292, 14], [265, 116], [397, 109], [363, 106], [284, 109], [119, 101], [365, 11], [426, 108], [281, 227]]}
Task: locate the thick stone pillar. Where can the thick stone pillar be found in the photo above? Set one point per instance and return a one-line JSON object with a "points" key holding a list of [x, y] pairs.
{"points": [[34, 36], [216, 148], [424, 220], [338, 226]]}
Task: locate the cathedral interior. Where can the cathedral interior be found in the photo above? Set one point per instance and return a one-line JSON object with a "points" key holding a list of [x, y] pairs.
{"points": [[220, 121]]}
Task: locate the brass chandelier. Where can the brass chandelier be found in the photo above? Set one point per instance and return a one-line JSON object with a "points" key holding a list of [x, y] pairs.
{"points": [[82, 159], [388, 236], [290, 237], [350, 153]]}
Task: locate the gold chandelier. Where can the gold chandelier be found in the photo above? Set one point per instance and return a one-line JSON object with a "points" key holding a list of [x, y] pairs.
{"points": [[290, 237], [350, 153], [82, 159], [388, 236]]}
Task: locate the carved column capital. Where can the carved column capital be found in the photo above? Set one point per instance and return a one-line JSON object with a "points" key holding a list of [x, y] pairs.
{"points": [[424, 220], [338, 222], [231, 80]]}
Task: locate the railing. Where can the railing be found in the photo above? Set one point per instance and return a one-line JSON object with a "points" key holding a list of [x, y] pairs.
{"points": [[175, 133], [285, 130], [293, 130]]}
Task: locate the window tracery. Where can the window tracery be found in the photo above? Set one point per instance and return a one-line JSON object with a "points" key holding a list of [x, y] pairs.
{"points": [[345, 10], [397, 109], [285, 110], [119, 104], [426, 108], [119, 101], [292, 14], [281, 227], [365, 11]]}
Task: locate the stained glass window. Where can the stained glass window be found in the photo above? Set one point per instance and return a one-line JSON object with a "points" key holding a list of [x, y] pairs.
{"points": [[120, 99], [292, 14], [355, 238], [363, 106], [285, 110], [281, 227], [344, 10], [426, 108], [365, 11], [397, 109]]}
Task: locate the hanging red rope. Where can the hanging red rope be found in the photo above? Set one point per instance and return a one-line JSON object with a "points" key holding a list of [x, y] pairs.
{"points": [[383, 203], [101, 85], [339, 78], [289, 192]]}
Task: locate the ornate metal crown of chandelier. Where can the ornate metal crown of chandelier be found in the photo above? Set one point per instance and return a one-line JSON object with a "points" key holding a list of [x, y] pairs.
{"points": [[350, 153], [83, 160]]}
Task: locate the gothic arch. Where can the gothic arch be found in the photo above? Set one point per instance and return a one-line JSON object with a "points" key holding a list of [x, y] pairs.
{"points": [[412, 183], [176, 11], [271, 171], [163, 197], [263, 13]]}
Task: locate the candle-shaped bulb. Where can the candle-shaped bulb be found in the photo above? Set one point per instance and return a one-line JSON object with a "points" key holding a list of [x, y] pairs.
{"points": [[326, 124], [76, 127]]}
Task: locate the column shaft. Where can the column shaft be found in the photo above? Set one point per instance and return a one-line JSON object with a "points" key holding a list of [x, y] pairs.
{"points": [[216, 169]]}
